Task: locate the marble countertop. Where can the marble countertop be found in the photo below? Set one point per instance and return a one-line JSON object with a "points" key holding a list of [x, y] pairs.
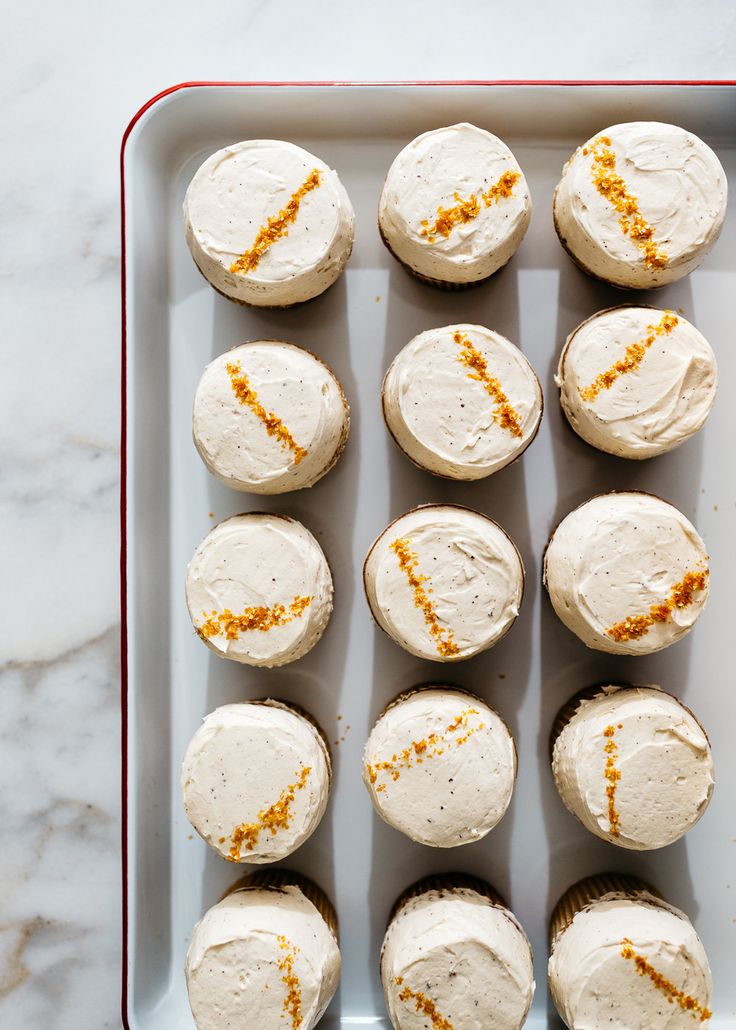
{"points": [[71, 82]]}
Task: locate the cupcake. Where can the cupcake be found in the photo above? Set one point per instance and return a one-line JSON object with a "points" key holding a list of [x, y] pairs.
{"points": [[256, 780], [267, 223], [455, 206], [455, 958], [266, 956], [632, 764], [627, 573], [269, 417], [636, 381], [623, 959], [640, 204], [444, 582], [462, 401], [440, 766], [259, 589]]}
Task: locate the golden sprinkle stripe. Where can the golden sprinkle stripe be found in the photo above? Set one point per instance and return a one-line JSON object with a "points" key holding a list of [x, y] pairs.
{"points": [[633, 357], [428, 747], [681, 596], [423, 1004], [612, 775], [611, 186], [408, 562], [274, 426], [643, 967], [471, 357], [293, 999], [276, 227], [274, 818], [260, 617], [466, 210]]}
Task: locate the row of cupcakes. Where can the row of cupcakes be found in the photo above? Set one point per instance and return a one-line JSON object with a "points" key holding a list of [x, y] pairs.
{"points": [[461, 401], [639, 205], [454, 956], [631, 763]]}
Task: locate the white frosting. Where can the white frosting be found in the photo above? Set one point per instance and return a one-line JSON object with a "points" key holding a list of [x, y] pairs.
{"points": [[233, 195], [234, 970], [614, 558], [595, 987], [473, 571], [290, 383], [460, 159], [681, 191], [661, 753], [254, 561], [458, 786], [239, 763], [467, 956], [651, 408], [446, 420]]}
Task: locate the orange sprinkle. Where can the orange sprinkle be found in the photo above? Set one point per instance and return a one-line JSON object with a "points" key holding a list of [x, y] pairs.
{"points": [[612, 775], [423, 1004], [274, 818], [428, 747], [633, 357], [408, 562], [674, 994], [611, 186], [470, 356], [293, 999], [681, 596], [276, 227], [225, 623], [466, 210], [274, 426]]}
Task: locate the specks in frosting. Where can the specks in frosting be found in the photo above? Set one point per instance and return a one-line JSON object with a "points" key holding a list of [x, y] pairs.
{"points": [[471, 357], [633, 357], [409, 563], [274, 426], [465, 211], [612, 776], [260, 617], [423, 1004], [272, 819], [293, 999], [682, 595], [431, 746], [674, 994]]}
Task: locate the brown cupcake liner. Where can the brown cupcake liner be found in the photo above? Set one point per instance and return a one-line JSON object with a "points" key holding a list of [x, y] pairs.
{"points": [[589, 891], [443, 884], [438, 284], [277, 879]]}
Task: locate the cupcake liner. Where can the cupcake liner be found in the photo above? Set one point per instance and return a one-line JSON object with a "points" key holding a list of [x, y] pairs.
{"points": [[590, 890], [446, 883], [438, 284], [277, 879], [277, 702]]}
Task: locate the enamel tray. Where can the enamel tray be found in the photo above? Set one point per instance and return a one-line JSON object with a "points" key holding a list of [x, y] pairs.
{"points": [[174, 323]]}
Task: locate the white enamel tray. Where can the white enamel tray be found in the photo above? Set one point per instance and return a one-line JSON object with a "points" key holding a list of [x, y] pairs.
{"points": [[176, 324]]}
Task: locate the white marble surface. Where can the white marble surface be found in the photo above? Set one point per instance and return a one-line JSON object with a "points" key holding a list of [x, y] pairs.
{"points": [[72, 76]]}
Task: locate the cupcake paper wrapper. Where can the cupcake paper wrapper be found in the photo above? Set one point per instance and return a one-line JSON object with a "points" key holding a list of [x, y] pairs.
{"points": [[588, 891], [277, 879], [447, 882]]}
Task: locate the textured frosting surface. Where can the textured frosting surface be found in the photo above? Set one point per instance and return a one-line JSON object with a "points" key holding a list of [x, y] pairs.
{"points": [[454, 956], [439, 170], [596, 980], [680, 192], [259, 589], [255, 781], [269, 417], [634, 766], [469, 564], [440, 766], [262, 958], [462, 401], [230, 201], [659, 392], [627, 573]]}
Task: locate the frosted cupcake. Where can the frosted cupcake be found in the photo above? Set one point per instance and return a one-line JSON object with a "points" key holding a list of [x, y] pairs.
{"points": [[462, 401], [444, 582], [267, 223], [636, 381], [455, 206], [269, 417], [259, 589], [627, 573], [640, 204], [266, 956], [455, 958], [632, 764], [440, 766], [623, 959], [256, 780]]}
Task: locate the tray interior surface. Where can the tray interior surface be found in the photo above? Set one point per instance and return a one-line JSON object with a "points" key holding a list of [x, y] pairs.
{"points": [[176, 324]]}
